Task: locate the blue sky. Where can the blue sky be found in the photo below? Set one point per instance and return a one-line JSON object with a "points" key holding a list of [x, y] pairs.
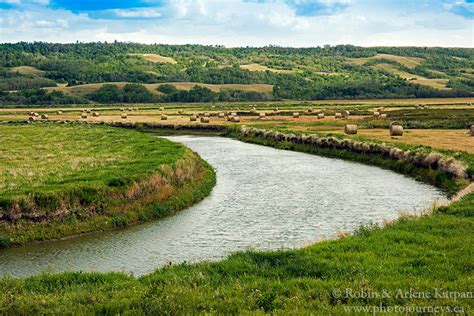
{"points": [[242, 22]]}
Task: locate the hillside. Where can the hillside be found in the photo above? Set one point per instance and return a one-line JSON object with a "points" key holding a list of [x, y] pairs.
{"points": [[337, 72]]}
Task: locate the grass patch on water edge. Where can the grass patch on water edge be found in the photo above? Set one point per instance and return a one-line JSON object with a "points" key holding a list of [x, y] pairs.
{"points": [[431, 254], [141, 178]]}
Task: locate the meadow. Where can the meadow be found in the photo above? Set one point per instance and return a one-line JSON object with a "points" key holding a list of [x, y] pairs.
{"points": [[60, 180], [428, 254]]}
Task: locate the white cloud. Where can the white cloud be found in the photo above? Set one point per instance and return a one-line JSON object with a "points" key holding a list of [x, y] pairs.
{"points": [[242, 23]]}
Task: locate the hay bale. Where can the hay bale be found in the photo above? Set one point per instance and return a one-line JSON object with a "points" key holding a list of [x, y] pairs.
{"points": [[95, 114], [124, 115], [206, 114], [310, 110], [36, 114], [44, 116], [59, 112], [204, 119], [31, 118], [130, 109], [320, 116], [84, 115], [296, 115], [193, 118], [393, 123], [88, 111], [396, 130], [338, 115], [31, 113], [221, 115], [376, 114], [180, 112], [162, 108], [350, 129], [235, 119], [233, 114], [164, 117], [472, 130], [122, 109], [261, 115], [383, 115], [346, 113]]}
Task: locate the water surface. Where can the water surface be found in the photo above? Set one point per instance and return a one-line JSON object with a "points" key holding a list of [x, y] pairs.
{"points": [[264, 199]]}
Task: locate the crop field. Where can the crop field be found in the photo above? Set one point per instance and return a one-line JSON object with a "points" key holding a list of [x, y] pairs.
{"points": [[155, 58]]}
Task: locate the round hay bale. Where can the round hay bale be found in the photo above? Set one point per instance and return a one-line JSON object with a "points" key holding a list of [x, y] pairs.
{"points": [[95, 114], [122, 109], [350, 129], [193, 118], [88, 111], [320, 116], [310, 110], [296, 115], [393, 123], [346, 113], [338, 115], [204, 119], [124, 115], [31, 113], [376, 114], [59, 112], [472, 130], [44, 116], [31, 118], [206, 114], [164, 117], [162, 108], [36, 114], [396, 130], [235, 119], [84, 115], [261, 115], [221, 115], [130, 109], [383, 115], [180, 112], [233, 114]]}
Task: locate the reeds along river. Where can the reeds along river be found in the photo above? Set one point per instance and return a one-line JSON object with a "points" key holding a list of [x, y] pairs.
{"points": [[264, 199]]}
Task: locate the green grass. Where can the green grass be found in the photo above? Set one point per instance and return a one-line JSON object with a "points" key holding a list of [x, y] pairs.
{"points": [[62, 180], [422, 254]]}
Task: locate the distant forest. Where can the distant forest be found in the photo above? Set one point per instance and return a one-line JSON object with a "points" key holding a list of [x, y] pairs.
{"points": [[317, 73]]}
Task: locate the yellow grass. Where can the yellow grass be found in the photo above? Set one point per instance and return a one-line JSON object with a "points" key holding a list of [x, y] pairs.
{"points": [[155, 58], [217, 87], [258, 67], [27, 70], [434, 83], [410, 62], [437, 138]]}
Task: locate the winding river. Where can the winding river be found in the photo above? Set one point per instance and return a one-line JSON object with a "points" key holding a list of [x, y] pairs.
{"points": [[264, 199]]}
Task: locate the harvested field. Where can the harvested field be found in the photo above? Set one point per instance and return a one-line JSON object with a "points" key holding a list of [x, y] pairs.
{"points": [[434, 83], [437, 138]]}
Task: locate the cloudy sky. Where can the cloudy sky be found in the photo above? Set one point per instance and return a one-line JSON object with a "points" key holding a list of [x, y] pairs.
{"points": [[242, 22]]}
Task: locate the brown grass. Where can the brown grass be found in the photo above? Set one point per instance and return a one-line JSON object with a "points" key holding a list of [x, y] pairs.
{"points": [[27, 70], [444, 139], [410, 62], [258, 67], [434, 83], [155, 58]]}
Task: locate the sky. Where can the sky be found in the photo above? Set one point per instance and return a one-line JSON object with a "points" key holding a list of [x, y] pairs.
{"points": [[297, 23]]}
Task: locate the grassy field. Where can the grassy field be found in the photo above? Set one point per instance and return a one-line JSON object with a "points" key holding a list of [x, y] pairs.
{"points": [[27, 70], [430, 255], [59, 180], [258, 67], [409, 62], [375, 269]]}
